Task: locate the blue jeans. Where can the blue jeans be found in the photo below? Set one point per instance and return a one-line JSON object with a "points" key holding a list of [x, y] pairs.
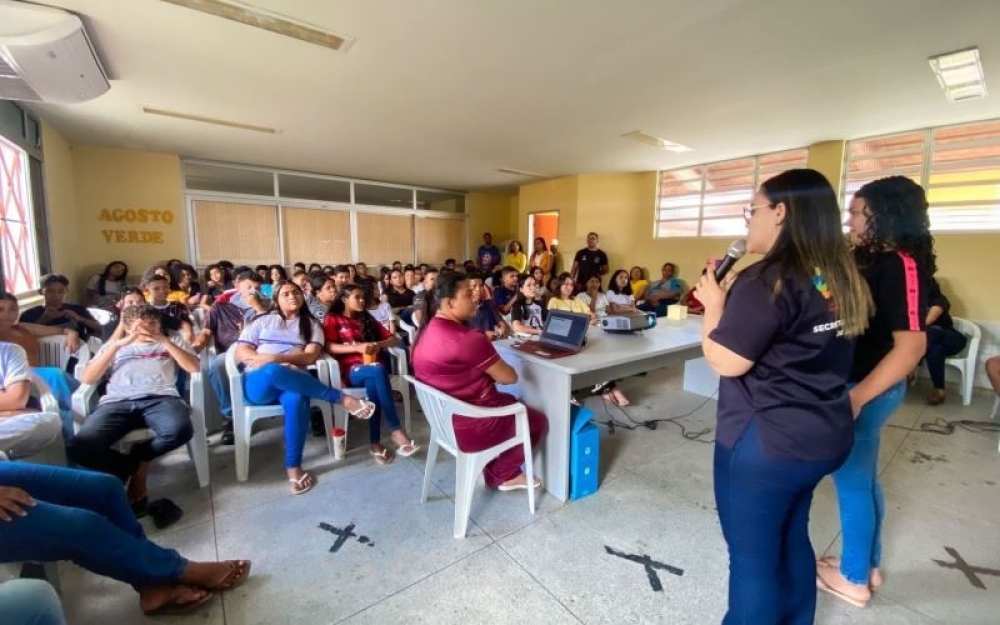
{"points": [[376, 382], [764, 511], [83, 517], [219, 380], [62, 386], [862, 505], [941, 343], [30, 602], [292, 388]]}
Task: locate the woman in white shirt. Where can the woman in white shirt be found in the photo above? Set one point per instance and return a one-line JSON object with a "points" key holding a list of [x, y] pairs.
{"points": [[594, 298], [620, 300]]}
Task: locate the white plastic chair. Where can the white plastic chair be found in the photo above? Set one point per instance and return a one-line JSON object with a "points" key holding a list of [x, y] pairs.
{"points": [[245, 414], [398, 382], [102, 316], [439, 408], [965, 361], [54, 353], [198, 445], [410, 329]]}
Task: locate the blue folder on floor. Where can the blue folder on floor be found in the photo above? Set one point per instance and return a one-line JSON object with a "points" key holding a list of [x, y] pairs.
{"points": [[584, 453]]}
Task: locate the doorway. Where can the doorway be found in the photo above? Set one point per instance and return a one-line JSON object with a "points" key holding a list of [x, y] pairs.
{"points": [[545, 225]]}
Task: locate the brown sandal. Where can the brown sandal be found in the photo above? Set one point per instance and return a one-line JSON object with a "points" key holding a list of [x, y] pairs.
{"points": [[239, 571]]}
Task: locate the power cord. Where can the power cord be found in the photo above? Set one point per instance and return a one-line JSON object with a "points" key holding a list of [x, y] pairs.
{"points": [[947, 428], [651, 424]]}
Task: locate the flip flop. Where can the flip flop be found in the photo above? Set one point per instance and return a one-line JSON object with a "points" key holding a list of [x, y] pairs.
{"points": [[238, 573], [302, 485], [172, 607], [364, 412], [408, 449], [383, 457], [822, 584], [509, 487], [875, 576]]}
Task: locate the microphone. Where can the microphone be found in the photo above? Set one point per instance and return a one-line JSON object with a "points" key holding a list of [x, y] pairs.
{"points": [[735, 252]]}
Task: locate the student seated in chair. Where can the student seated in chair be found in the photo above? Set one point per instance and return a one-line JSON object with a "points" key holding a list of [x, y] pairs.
{"points": [[272, 350], [527, 315], [943, 341], [461, 361], [485, 319], [174, 314], [49, 514], [222, 326], [56, 312], [141, 368], [23, 430], [356, 340]]}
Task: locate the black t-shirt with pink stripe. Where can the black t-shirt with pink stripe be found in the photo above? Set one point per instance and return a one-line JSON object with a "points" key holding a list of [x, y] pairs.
{"points": [[901, 292]]}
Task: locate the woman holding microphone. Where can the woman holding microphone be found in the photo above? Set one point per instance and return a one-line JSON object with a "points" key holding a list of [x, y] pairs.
{"points": [[781, 342], [890, 231]]}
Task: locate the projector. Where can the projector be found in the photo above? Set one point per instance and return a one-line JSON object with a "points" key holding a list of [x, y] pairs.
{"points": [[631, 322]]}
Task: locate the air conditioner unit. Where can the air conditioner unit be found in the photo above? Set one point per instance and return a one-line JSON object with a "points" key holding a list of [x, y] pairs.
{"points": [[46, 56]]}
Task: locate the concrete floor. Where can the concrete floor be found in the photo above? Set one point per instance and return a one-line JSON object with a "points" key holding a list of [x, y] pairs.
{"points": [[402, 565]]}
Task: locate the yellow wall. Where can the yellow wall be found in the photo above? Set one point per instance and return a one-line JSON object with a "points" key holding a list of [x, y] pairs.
{"points": [[493, 213], [827, 158], [109, 180], [60, 202]]}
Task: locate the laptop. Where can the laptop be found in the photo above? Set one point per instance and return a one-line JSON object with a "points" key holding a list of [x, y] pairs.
{"points": [[562, 335]]}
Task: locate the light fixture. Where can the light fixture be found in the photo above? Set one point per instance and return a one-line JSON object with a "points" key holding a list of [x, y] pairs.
{"points": [[521, 172], [268, 20], [657, 142], [208, 120], [960, 74]]}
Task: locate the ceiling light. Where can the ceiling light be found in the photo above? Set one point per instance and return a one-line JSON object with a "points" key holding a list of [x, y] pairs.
{"points": [[268, 20], [209, 120], [521, 172], [657, 142], [960, 74]]}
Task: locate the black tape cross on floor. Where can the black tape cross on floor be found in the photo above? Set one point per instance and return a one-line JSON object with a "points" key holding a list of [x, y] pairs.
{"points": [[971, 573], [650, 565], [343, 534]]}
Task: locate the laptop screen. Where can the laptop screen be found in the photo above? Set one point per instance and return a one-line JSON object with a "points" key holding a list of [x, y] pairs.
{"points": [[565, 329]]}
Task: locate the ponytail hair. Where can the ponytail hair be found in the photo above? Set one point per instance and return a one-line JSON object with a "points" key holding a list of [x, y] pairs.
{"points": [[447, 286]]}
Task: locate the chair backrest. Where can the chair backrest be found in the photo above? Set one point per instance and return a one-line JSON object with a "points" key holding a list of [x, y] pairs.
{"points": [[235, 377], [103, 316], [973, 333], [439, 407], [55, 354]]}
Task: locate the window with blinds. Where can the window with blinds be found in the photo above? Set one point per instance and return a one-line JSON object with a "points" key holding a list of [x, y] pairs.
{"points": [[958, 166], [708, 200]]}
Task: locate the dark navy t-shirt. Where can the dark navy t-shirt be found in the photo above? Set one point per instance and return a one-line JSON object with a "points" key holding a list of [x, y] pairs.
{"points": [[797, 387], [900, 292]]}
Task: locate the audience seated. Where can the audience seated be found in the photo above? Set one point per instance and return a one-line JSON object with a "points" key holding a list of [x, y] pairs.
{"points": [[276, 274], [527, 315], [637, 278], [461, 361], [356, 340], [380, 309], [56, 312], [485, 318], [410, 278], [324, 293], [399, 295], [426, 286], [363, 279], [48, 514], [173, 292], [563, 298], [505, 293], [515, 257], [223, 325], [663, 292], [341, 277], [103, 288], [141, 369], [214, 285], [619, 295], [314, 268], [246, 295], [543, 290], [272, 349], [23, 430], [175, 314], [301, 278], [943, 340], [186, 279], [593, 297]]}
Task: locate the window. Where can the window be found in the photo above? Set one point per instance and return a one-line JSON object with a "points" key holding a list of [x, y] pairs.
{"points": [[245, 234], [958, 166], [708, 200], [17, 240]]}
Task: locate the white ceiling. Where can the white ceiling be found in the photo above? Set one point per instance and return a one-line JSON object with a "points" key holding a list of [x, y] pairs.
{"points": [[441, 93]]}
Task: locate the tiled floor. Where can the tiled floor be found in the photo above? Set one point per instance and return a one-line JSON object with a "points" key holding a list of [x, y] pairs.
{"points": [[557, 567]]}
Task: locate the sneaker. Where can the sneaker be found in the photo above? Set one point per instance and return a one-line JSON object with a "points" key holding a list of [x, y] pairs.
{"points": [[228, 437]]}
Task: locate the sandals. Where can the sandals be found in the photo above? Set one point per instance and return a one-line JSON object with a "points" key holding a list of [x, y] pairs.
{"points": [[239, 571], [364, 411], [299, 487], [408, 449], [383, 457], [173, 607], [615, 396], [874, 576], [509, 487], [858, 601]]}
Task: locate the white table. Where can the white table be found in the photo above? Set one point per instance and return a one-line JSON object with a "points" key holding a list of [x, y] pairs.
{"points": [[547, 384]]}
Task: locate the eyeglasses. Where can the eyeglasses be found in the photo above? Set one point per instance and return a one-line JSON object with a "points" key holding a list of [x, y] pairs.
{"points": [[750, 209]]}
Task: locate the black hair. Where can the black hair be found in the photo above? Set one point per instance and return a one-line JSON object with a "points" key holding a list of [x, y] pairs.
{"points": [[341, 269], [306, 319], [613, 286], [266, 278], [317, 280], [475, 274], [506, 270], [208, 272], [328, 269], [101, 290], [247, 274], [520, 299], [299, 266], [10, 298], [899, 220], [409, 267], [339, 308], [542, 239], [54, 278], [175, 274], [226, 264], [315, 267], [446, 287], [449, 261], [281, 272]]}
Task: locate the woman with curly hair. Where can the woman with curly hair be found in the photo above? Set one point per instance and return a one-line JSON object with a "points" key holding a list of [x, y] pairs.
{"points": [[894, 249]]}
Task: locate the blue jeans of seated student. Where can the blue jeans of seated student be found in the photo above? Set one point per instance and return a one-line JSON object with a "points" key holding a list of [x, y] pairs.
{"points": [[30, 602], [292, 388], [862, 505], [62, 386], [763, 506], [219, 380], [376, 383], [83, 517], [168, 417], [941, 343], [660, 309]]}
